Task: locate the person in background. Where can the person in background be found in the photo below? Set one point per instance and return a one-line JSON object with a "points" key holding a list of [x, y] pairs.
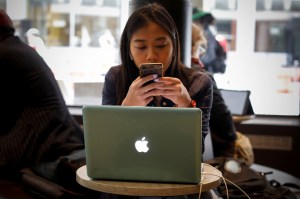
{"points": [[215, 56], [199, 46], [35, 41], [36, 126], [221, 124], [150, 35]]}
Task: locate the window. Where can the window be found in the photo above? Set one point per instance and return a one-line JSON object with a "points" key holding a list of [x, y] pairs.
{"points": [[227, 28], [81, 40], [2, 3], [270, 36], [77, 38], [278, 5], [258, 59], [226, 5]]}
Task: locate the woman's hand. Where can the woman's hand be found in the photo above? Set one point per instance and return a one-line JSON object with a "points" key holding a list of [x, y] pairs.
{"points": [[173, 89], [139, 95], [168, 87]]}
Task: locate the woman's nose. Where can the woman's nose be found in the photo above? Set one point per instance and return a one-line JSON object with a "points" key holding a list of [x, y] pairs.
{"points": [[152, 56]]}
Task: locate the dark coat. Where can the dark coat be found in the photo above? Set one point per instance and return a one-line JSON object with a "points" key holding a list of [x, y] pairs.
{"points": [[36, 125], [221, 124]]}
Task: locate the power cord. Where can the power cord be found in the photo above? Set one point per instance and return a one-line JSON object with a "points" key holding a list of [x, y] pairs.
{"points": [[201, 180], [220, 176]]}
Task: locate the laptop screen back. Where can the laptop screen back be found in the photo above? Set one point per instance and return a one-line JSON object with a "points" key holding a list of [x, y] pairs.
{"points": [[237, 101], [143, 143]]}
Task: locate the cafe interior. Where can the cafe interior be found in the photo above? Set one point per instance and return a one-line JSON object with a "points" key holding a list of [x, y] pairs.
{"points": [[79, 40]]}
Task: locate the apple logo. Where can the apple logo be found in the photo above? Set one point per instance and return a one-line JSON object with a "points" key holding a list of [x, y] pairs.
{"points": [[141, 145]]}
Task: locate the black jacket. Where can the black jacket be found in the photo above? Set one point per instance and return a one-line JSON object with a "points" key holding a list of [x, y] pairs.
{"points": [[221, 124], [36, 125]]}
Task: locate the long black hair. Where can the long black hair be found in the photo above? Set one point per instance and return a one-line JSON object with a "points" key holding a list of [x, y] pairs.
{"points": [[150, 13]]}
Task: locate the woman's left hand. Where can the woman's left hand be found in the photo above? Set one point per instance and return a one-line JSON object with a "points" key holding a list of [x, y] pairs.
{"points": [[174, 90]]}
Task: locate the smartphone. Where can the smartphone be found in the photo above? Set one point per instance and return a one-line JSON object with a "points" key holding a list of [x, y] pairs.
{"points": [[151, 68]]}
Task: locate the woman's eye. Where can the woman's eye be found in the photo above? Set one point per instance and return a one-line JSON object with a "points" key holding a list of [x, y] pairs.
{"points": [[141, 47], [161, 46]]}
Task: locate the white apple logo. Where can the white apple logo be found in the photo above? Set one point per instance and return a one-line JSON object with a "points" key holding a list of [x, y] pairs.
{"points": [[141, 145]]}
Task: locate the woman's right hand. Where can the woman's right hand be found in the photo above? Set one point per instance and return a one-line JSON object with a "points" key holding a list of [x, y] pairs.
{"points": [[139, 95]]}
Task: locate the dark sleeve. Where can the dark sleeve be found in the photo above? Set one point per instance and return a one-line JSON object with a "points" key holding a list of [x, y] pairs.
{"points": [[221, 123], [109, 96], [43, 129], [201, 90]]}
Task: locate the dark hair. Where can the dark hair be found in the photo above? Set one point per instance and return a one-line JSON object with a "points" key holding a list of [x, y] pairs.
{"points": [[7, 30], [202, 17], [6, 25], [150, 13]]}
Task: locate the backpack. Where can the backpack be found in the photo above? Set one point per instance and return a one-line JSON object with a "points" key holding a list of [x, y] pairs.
{"points": [[218, 64], [253, 183]]}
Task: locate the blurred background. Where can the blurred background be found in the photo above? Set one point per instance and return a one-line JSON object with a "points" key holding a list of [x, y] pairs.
{"points": [[79, 39]]}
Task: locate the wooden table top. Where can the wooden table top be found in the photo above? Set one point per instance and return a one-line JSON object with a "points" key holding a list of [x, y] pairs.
{"points": [[210, 180], [242, 118]]}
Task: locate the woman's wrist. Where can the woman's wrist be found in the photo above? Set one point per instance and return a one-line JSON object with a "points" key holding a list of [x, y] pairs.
{"points": [[193, 103], [190, 103]]}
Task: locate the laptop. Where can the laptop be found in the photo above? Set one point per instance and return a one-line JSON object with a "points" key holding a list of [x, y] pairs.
{"points": [[237, 101], [149, 144]]}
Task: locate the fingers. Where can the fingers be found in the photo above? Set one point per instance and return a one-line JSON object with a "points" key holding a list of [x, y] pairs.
{"points": [[174, 90], [169, 80], [141, 81], [138, 94], [169, 86]]}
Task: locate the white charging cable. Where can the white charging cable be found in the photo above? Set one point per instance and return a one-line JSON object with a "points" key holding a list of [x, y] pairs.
{"points": [[220, 176]]}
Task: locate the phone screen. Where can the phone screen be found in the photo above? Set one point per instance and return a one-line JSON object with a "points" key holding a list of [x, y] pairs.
{"points": [[151, 68]]}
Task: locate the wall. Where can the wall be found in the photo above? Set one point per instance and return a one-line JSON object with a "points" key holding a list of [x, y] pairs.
{"points": [[275, 140]]}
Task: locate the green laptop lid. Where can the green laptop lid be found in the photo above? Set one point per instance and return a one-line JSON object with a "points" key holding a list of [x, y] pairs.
{"points": [[155, 144]]}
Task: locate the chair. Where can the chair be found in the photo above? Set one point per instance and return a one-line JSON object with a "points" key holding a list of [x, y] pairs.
{"points": [[208, 152]]}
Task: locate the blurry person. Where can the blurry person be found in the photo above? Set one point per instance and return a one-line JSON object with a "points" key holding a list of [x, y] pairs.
{"points": [[36, 42], [36, 126], [221, 124], [199, 45], [215, 55], [109, 49], [107, 40]]}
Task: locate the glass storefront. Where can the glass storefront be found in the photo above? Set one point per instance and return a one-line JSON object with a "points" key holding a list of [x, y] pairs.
{"points": [[79, 40], [259, 58]]}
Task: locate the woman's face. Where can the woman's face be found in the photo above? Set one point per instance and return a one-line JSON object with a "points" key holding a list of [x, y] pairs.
{"points": [[150, 44]]}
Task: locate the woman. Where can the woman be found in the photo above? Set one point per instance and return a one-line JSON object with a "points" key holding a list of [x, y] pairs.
{"points": [[150, 35], [222, 128], [215, 56]]}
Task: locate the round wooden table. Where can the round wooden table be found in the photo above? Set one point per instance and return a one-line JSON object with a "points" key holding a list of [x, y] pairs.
{"points": [[210, 180]]}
